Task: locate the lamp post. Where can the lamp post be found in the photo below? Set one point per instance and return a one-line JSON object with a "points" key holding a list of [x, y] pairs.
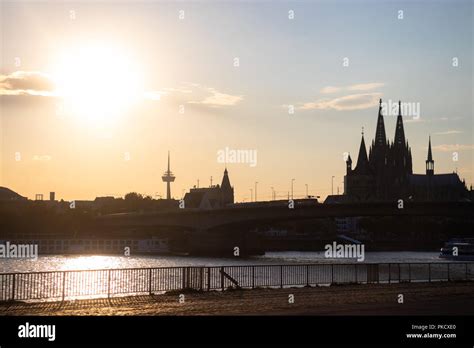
{"points": [[306, 190], [251, 195], [332, 185]]}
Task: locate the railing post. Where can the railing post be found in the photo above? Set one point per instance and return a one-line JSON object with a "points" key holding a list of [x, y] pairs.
{"points": [[108, 284], [184, 278], [409, 272], [389, 273], [208, 278], [429, 272], [201, 276], [307, 275], [253, 277], [281, 276], [222, 278], [64, 285], [13, 286], [355, 272], [332, 273], [399, 274], [149, 281]]}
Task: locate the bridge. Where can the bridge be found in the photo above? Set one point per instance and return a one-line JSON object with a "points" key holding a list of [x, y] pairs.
{"points": [[200, 220]]}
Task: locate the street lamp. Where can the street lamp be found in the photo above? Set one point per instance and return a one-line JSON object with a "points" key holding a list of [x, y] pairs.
{"points": [[251, 195], [306, 190], [332, 185]]}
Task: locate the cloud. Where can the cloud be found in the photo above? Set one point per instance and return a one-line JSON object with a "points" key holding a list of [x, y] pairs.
{"points": [[414, 120], [453, 147], [218, 99], [35, 83], [330, 89], [362, 87], [199, 95], [348, 102], [27, 83], [449, 132]]}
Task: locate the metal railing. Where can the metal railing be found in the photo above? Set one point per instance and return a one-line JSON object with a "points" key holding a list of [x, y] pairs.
{"points": [[61, 285]]}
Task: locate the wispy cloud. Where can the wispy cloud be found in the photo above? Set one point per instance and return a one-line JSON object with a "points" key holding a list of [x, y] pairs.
{"points": [[451, 118], [218, 99], [35, 83], [360, 87], [453, 147], [449, 132], [196, 94], [415, 120], [348, 102], [330, 89], [32, 83]]}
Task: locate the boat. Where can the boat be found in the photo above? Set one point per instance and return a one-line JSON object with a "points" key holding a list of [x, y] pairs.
{"points": [[459, 249]]}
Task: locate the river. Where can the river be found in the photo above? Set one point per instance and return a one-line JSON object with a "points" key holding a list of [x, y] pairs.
{"points": [[82, 262]]}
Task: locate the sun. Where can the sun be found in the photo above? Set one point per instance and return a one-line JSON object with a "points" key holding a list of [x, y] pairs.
{"points": [[97, 83]]}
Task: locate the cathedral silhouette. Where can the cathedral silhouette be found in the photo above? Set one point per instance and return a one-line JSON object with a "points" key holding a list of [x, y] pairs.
{"points": [[386, 174]]}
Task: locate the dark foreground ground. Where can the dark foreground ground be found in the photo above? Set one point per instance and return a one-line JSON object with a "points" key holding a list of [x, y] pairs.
{"points": [[375, 299]]}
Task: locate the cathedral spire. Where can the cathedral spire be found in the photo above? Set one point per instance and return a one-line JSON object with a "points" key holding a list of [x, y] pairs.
{"points": [[362, 166], [380, 138], [429, 160], [430, 155], [399, 131]]}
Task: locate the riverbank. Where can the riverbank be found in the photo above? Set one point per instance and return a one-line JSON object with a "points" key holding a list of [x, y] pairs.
{"points": [[440, 298]]}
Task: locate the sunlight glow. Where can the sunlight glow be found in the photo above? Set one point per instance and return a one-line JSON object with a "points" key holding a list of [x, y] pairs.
{"points": [[98, 83]]}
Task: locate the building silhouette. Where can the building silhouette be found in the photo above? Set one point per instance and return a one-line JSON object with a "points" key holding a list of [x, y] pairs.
{"points": [[386, 173], [211, 197]]}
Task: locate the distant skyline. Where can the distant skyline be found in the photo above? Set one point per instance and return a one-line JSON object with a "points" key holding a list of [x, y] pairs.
{"points": [[93, 95]]}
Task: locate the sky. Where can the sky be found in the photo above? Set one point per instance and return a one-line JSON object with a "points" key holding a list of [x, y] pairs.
{"points": [[93, 95]]}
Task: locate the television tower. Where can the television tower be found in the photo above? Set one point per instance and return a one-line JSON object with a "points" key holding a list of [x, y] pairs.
{"points": [[168, 177]]}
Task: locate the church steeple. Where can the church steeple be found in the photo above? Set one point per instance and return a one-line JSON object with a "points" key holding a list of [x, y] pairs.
{"points": [[399, 140], [227, 191], [429, 160], [225, 180], [380, 138], [362, 166], [348, 165]]}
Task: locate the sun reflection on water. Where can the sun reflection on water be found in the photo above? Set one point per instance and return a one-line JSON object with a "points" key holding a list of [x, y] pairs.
{"points": [[90, 262]]}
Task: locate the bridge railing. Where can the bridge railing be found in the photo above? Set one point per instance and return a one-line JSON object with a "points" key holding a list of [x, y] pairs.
{"points": [[61, 285]]}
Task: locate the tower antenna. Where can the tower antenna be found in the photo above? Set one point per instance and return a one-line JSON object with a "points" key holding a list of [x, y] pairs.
{"points": [[168, 177]]}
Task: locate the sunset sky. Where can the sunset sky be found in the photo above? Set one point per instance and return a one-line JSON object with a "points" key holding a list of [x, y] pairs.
{"points": [[93, 95]]}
